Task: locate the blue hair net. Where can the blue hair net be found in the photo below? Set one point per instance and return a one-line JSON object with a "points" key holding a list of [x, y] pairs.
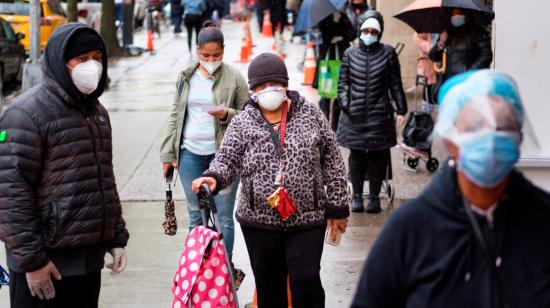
{"points": [[461, 89]]}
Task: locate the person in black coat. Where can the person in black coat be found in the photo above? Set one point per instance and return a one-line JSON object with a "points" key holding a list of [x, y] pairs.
{"points": [[356, 8], [468, 47], [337, 33], [370, 73], [60, 212], [478, 235]]}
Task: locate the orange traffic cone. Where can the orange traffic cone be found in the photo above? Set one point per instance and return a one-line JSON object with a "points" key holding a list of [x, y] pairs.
{"points": [[150, 47], [310, 65], [267, 28], [248, 37], [244, 49]]}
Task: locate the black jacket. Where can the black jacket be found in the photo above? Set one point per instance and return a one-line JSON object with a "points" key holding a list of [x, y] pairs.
{"points": [[59, 199], [468, 48], [368, 76], [427, 254]]}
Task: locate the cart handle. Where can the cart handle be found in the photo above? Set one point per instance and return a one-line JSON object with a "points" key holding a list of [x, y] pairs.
{"points": [[206, 199]]}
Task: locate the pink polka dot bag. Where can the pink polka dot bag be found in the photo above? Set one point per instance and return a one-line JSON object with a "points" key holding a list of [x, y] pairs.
{"points": [[202, 278]]}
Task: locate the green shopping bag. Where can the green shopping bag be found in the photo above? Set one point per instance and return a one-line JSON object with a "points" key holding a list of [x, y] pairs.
{"points": [[329, 73]]}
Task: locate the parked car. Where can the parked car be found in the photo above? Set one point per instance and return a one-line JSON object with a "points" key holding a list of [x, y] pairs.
{"points": [[16, 12], [12, 56], [89, 12]]}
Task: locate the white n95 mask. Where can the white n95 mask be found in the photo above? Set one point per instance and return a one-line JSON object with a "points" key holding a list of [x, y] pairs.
{"points": [[86, 76]]}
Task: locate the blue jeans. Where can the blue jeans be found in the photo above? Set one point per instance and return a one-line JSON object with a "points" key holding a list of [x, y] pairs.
{"points": [[191, 166]]}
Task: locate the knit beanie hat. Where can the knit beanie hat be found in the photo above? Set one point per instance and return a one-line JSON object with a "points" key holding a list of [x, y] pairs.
{"points": [[371, 23], [267, 67], [82, 42]]}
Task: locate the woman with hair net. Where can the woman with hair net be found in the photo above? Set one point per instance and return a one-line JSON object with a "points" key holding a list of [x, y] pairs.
{"points": [[478, 235]]}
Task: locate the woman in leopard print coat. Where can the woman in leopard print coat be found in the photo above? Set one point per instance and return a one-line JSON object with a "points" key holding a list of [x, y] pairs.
{"points": [[314, 175]]}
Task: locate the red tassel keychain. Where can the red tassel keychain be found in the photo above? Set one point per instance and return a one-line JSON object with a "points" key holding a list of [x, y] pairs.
{"points": [[281, 199]]}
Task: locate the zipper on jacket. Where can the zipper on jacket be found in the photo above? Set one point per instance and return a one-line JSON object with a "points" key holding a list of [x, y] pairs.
{"points": [[251, 194], [100, 179], [315, 192]]}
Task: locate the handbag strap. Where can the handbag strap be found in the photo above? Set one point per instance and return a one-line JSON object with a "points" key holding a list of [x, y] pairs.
{"points": [[279, 140], [498, 294]]}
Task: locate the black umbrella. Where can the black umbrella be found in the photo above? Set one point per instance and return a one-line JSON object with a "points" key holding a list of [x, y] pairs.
{"points": [[433, 16]]}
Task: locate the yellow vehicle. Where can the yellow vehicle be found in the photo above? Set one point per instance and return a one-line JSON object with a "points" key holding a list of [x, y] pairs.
{"points": [[17, 12]]}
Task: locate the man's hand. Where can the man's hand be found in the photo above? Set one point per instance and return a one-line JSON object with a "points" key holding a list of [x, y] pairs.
{"points": [[220, 114], [119, 260], [40, 282], [341, 224], [211, 182], [336, 39], [166, 166], [400, 120]]}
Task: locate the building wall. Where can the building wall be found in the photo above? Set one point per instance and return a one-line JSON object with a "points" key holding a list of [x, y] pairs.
{"points": [[395, 31], [522, 49]]}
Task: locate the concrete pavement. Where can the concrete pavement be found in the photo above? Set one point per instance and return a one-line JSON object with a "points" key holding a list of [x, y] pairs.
{"points": [[139, 100]]}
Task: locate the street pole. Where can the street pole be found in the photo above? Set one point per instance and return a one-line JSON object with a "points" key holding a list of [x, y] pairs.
{"points": [[35, 30], [127, 23], [32, 74]]}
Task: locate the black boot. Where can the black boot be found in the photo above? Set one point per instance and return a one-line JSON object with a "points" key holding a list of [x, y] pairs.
{"points": [[357, 205], [374, 205]]}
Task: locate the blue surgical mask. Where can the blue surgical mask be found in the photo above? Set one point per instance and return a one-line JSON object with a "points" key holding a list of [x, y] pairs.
{"points": [[486, 158], [369, 39], [458, 20]]}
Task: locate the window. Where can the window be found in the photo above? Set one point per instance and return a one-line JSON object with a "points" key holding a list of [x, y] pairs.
{"points": [[55, 7], [10, 35], [14, 8], [2, 34]]}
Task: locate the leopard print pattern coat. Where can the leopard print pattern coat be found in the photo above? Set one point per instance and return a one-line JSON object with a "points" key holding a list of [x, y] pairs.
{"points": [[315, 175]]}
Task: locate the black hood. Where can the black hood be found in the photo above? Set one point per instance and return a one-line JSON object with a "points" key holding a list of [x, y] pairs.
{"points": [[368, 14], [55, 66]]}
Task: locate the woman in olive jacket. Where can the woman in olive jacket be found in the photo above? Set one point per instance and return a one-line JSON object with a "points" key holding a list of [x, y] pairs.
{"points": [[370, 73], [209, 94]]}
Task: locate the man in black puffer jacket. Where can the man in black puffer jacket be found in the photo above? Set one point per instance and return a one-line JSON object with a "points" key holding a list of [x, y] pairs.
{"points": [[59, 207], [370, 73]]}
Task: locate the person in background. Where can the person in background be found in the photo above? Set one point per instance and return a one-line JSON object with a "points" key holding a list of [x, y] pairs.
{"points": [[356, 8], [490, 223], [277, 13], [468, 47], [370, 73], [265, 145], [60, 212], [425, 70], [209, 94], [193, 19], [337, 33], [177, 16]]}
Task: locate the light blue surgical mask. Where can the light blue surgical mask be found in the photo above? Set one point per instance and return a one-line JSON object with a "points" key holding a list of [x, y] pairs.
{"points": [[369, 39], [458, 20], [486, 158]]}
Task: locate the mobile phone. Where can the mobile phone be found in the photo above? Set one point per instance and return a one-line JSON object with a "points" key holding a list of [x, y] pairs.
{"points": [[333, 236]]}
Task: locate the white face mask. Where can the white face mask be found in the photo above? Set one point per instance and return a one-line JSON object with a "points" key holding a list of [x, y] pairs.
{"points": [[210, 67], [86, 76], [271, 98]]}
